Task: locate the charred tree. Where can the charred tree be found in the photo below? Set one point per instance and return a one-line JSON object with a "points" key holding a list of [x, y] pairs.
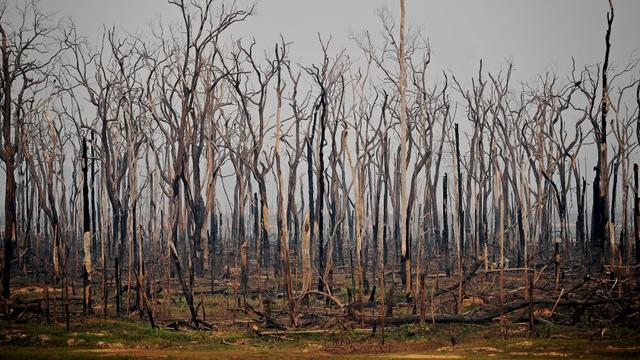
{"points": [[86, 237]]}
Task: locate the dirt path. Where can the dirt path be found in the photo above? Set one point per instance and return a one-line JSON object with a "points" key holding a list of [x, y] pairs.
{"points": [[526, 351]]}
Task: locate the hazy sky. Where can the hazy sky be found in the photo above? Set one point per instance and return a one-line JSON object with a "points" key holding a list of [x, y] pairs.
{"points": [[537, 36]]}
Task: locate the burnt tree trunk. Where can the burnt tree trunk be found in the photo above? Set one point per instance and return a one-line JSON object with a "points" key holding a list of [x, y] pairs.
{"points": [[10, 182], [445, 225], [598, 219], [320, 198], [460, 211], [636, 213], [86, 238], [580, 228], [312, 214], [600, 233]]}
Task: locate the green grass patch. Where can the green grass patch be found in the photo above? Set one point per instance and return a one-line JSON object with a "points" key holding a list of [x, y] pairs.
{"points": [[89, 333], [118, 339]]}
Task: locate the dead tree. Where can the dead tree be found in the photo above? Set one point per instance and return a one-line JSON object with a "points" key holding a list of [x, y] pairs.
{"points": [[322, 78], [97, 73], [622, 129], [364, 144], [636, 213], [478, 110], [322, 107], [600, 223], [445, 225], [295, 152], [402, 157], [636, 200], [254, 158], [86, 237], [283, 232], [460, 218], [28, 52], [48, 148], [180, 78]]}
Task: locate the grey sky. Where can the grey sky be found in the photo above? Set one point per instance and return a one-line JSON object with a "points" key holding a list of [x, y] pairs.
{"points": [[537, 36]]}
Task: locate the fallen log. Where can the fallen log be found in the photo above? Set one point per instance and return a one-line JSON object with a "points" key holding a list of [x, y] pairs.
{"points": [[199, 325], [308, 332], [486, 317]]}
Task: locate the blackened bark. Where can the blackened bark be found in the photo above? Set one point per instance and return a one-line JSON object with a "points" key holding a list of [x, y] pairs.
{"points": [[460, 211], [385, 205], [94, 214], [580, 228], [600, 233], [312, 214], [10, 221], [598, 215], [320, 199], [445, 225], [636, 213], [264, 232], [188, 295], [612, 219], [86, 269], [255, 212], [376, 228], [9, 160], [521, 238], [213, 241]]}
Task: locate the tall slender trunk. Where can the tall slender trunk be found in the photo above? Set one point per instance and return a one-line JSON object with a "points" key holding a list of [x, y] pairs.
{"points": [[445, 225], [282, 215], [10, 235], [311, 213], [460, 211], [86, 273], [600, 230], [186, 289], [116, 259], [263, 259], [94, 213], [10, 220], [501, 204], [320, 197], [306, 254], [402, 160], [581, 188], [636, 213]]}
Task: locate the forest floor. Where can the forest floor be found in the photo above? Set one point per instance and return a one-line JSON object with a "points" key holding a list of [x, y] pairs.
{"points": [[120, 339], [36, 329]]}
